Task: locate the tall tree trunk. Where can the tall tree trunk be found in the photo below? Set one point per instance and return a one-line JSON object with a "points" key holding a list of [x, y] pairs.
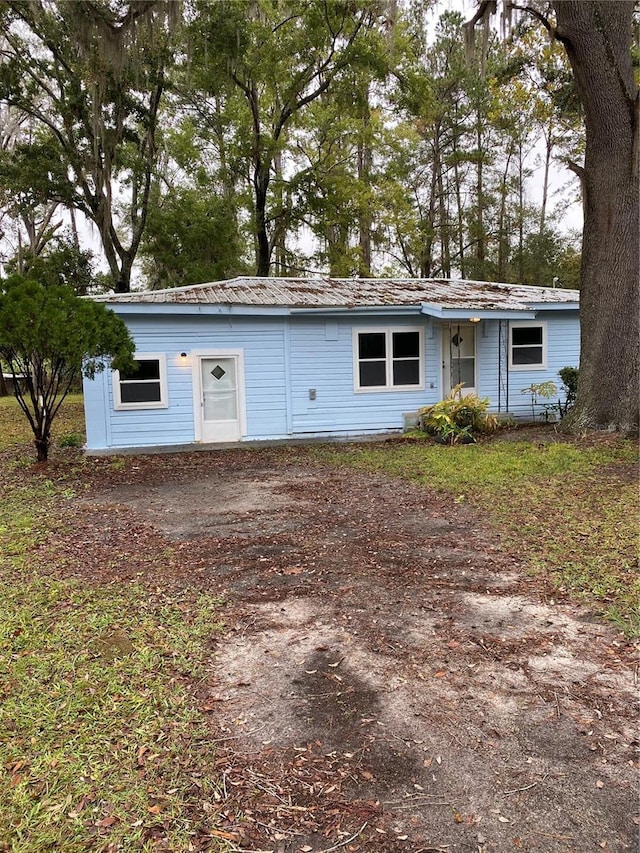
{"points": [[459, 208], [548, 138], [429, 226], [479, 224], [597, 37], [123, 281], [443, 213], [74, 228], [20, 256], [365, 162], [520, 214], [263, 249], [337, 247], [503, 237], [279, 238]]}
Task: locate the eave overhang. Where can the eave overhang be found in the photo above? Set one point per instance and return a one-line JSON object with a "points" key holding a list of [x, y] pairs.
{"points": [[356, 310], [466, 314], [172, 309], [459, 313], [555, 306]]}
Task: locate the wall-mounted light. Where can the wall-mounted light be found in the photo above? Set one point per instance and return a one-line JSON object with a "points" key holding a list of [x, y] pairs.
{"points": [[183, 358], [474, 319]]}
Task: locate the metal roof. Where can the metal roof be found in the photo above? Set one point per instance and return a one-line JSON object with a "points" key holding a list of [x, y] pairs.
{"points": [[344, 293]]}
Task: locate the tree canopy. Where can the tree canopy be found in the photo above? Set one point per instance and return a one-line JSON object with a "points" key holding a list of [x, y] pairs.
{"points": [[207, 139], [91, 76]]}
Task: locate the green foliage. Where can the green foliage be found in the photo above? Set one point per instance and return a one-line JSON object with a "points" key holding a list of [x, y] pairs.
{"points": [[545, 390], [48, 337], [62, 263], [264, 65], [33, 173], [455, 419], [569, 378], [71, 439], [548, 389], [52, 325], [368, 132], [549, 259], [191, 237]]}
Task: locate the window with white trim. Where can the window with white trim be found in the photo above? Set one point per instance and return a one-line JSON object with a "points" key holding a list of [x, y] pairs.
{"points": [[387, 359], [527, 346], [142, 388]]}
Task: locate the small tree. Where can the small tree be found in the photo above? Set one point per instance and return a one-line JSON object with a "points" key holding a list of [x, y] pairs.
{"points": [[48, 338]]}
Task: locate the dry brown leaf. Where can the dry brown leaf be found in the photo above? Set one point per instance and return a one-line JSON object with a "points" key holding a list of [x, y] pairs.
{"points": [[220, 833]]}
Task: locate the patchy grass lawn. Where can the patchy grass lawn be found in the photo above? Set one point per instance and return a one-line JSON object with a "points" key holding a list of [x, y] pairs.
{"points": [[102, 744], [571, 507], [68, 427]]}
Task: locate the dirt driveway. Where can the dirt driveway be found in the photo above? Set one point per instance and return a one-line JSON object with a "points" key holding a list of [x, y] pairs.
{"points": [[389, 679]]}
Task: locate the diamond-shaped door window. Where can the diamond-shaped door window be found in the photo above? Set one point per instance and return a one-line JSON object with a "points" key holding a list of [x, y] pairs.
{"points": [[218, 372]]}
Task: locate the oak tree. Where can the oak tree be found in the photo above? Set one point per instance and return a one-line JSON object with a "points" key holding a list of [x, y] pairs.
{"points": [[92, 74], [598, 39]]}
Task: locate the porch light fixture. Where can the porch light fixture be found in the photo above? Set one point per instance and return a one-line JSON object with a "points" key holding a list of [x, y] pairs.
{"points": [[474, 319], [183, 358]]}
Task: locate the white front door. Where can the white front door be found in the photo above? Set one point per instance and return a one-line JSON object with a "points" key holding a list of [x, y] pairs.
{"points": [[459, 357], [221, 399]]}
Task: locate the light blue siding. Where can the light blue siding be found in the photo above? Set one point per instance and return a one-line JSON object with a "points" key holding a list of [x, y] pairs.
{"points": [[487, 360], [286, 357], [263, 343], [322, 359], [563, 350]]}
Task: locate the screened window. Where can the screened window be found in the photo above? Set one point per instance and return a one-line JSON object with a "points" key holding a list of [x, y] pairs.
{"points": [[388, 359], [142, 388], [528, 346]]}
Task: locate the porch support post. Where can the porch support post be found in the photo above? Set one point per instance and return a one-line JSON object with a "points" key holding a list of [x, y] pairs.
{"points": [[503, 364]]}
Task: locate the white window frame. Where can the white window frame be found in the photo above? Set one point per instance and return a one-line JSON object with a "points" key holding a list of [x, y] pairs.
{"points": [[162, 403], [389, 332], [524, 324]]}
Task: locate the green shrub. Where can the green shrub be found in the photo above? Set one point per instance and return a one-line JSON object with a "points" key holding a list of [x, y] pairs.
{"points": [[544, 390], [455, 419], [569, 377], [71, 439]]}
